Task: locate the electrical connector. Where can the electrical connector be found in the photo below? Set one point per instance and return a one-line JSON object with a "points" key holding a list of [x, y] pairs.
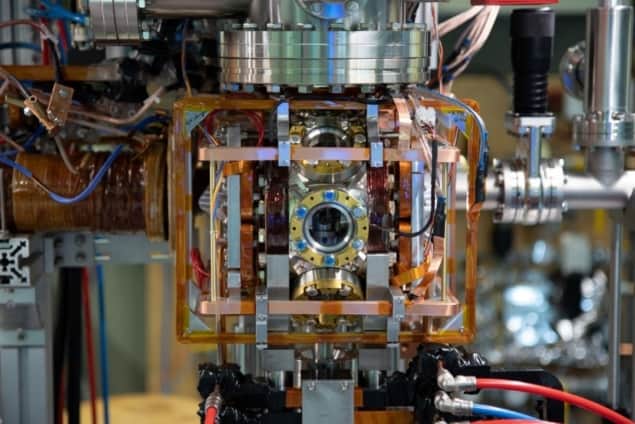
{"points": [[460, 407], [451, 384]]}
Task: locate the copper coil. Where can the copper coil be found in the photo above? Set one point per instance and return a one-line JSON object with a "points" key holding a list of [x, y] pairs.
{"points": [[277, 218], [248, 256], [378, 197], [247, 195], [130, 198]]}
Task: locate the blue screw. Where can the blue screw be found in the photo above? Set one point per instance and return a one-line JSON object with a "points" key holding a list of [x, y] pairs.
{"points": [[301, 245], [329, 260], [359, 212], [300, 212], [358, 244], [330, 196]]}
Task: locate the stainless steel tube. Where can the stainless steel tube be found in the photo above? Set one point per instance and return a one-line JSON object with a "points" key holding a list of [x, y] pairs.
{"points": [[195, 8], [580, 192], [615, 290], [608, 57]]}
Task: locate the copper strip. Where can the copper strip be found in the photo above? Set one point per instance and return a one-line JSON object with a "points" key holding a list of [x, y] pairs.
{"points": [[433, 308], [446, 154], [404, 122], [293, 398], [71, 73], [343, 307], [424, 307], [390, 416], [234, 168]]}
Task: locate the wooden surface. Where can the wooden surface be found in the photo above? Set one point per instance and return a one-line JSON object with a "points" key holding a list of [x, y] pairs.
{"points": [[146, 409]]}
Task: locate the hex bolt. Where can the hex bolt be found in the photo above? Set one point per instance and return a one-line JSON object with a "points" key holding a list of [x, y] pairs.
{"points": [[311, 291], [359, 138]]}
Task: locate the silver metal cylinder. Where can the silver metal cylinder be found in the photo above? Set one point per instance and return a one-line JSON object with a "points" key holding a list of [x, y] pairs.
{"points": [[609, 33], [374, 379], [194, 8], [355, 371], [277, 377], [297, 374], [580, 192], [615, 290]]}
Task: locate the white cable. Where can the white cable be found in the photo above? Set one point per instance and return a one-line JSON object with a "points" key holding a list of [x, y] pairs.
{"points": [[456, 21]]}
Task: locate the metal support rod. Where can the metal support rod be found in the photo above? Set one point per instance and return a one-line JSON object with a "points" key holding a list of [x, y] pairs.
{"points": [[615, 290], [417, 216], [535, 147]]}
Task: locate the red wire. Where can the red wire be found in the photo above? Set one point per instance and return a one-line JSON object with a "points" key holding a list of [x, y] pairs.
{"points": [[508, 422], [210, 415], [255, 119], [90, 353], [519, 386], [63, 35]]}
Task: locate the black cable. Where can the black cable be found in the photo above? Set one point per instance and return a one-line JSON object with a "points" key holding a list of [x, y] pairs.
{"points": [[59, 77], [433, 182]]}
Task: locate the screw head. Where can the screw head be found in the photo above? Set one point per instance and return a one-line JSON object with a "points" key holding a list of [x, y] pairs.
{"points": [[330, 196], [301, 245], [311, 291], [359, 212], [344, 386], [358, 244], [311, 386], [352, 6], [329, 260], [301, 212]]}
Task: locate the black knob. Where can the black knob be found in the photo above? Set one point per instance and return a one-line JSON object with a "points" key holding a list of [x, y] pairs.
{"points": [[532, 32]]}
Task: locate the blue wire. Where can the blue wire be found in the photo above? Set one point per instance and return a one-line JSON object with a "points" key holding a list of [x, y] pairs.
{"points": [[20, 45], [39, 131], [92, 185], [496, 412], [103, 343], [55, 11]]}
